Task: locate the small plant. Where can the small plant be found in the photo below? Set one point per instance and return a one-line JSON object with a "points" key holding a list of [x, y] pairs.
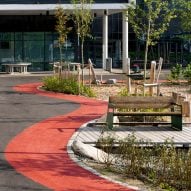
{"points": [[166, 187], [187, 73], [51, 83], [176, 72], [107, 145], [133, 156], [165, 153], [123, 92]]}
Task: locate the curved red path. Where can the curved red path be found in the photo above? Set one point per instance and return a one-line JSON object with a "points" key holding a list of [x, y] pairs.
{"points": [[40, 151]]}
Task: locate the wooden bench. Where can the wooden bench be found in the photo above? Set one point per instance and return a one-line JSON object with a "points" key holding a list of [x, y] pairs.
{"points": [[146, 106]]}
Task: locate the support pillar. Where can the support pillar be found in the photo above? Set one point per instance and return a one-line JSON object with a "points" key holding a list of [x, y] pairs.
{"points": [[105, 39], [125, 43], [125, 56]]}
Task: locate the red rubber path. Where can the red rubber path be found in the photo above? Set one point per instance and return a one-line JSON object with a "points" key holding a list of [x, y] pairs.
{"points": [[40, 151]]}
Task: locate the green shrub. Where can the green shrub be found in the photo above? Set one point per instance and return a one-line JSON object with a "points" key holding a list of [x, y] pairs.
{"points": [[187, 73], [67, 85], [87, 91], [133, 157], [162, 165], [51, 83], [176, 72], [123, 92], [166, 187], [107, 144]]}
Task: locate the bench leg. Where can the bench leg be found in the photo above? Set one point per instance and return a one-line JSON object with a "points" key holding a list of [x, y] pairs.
{"points": [[109, 120], [176, 122], [151, 90], [158, 89]]}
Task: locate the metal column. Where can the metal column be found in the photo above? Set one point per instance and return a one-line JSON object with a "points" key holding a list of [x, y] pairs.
{"points": [[105, 38]]}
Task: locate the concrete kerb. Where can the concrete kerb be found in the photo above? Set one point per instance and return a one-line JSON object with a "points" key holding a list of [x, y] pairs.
{"points": [[74, 157]]}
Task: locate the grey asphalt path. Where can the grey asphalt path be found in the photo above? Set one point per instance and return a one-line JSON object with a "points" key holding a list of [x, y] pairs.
{"points": [[17, 112]]}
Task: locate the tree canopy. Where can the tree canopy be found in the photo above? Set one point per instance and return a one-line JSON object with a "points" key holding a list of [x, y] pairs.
{"points": [[149, 21]]}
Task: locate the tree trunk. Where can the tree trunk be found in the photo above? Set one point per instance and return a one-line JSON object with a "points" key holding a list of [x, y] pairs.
{"points": [[82, 59], [146, 48], [145, 61], [60, 65], [146, 52]]}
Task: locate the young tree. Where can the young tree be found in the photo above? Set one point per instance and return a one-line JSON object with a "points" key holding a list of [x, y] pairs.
{"points": [[183, 9], [149, 21], [63, 30], [82, 18]]}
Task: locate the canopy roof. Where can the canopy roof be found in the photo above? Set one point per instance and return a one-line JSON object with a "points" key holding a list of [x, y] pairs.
{"points": [[37, 9]]}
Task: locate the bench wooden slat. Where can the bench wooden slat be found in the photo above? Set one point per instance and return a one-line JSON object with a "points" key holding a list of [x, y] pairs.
{"points": [[140, 106], [141, 99], [146, 113], [142, 123]]}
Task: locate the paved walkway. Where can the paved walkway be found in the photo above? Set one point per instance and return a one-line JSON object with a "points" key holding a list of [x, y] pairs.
{"points": [[35, 129]]}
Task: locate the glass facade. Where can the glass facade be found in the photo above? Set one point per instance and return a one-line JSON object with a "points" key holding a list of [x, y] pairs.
{"points": [[32, 38], [23, 46]]}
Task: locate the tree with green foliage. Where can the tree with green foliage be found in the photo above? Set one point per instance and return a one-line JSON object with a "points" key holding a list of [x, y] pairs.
{"points": [[62, 19], [82, 18], [183, 9], [149, 21]]}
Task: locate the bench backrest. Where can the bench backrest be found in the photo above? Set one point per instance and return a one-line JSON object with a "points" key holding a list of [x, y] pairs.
{"points": [[154, 74], [139, 102], [159, 69]]}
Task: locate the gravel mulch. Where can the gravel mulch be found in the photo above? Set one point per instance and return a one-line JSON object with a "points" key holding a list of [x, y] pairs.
{"points": [[104, 91]]}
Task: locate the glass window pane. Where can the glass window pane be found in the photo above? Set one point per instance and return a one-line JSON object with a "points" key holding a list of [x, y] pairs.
{"points": [[6, 51], [49, 51], [33, 46], [6, 36], [18, 36], [34, 51], [33, 36], [18, 51]]}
